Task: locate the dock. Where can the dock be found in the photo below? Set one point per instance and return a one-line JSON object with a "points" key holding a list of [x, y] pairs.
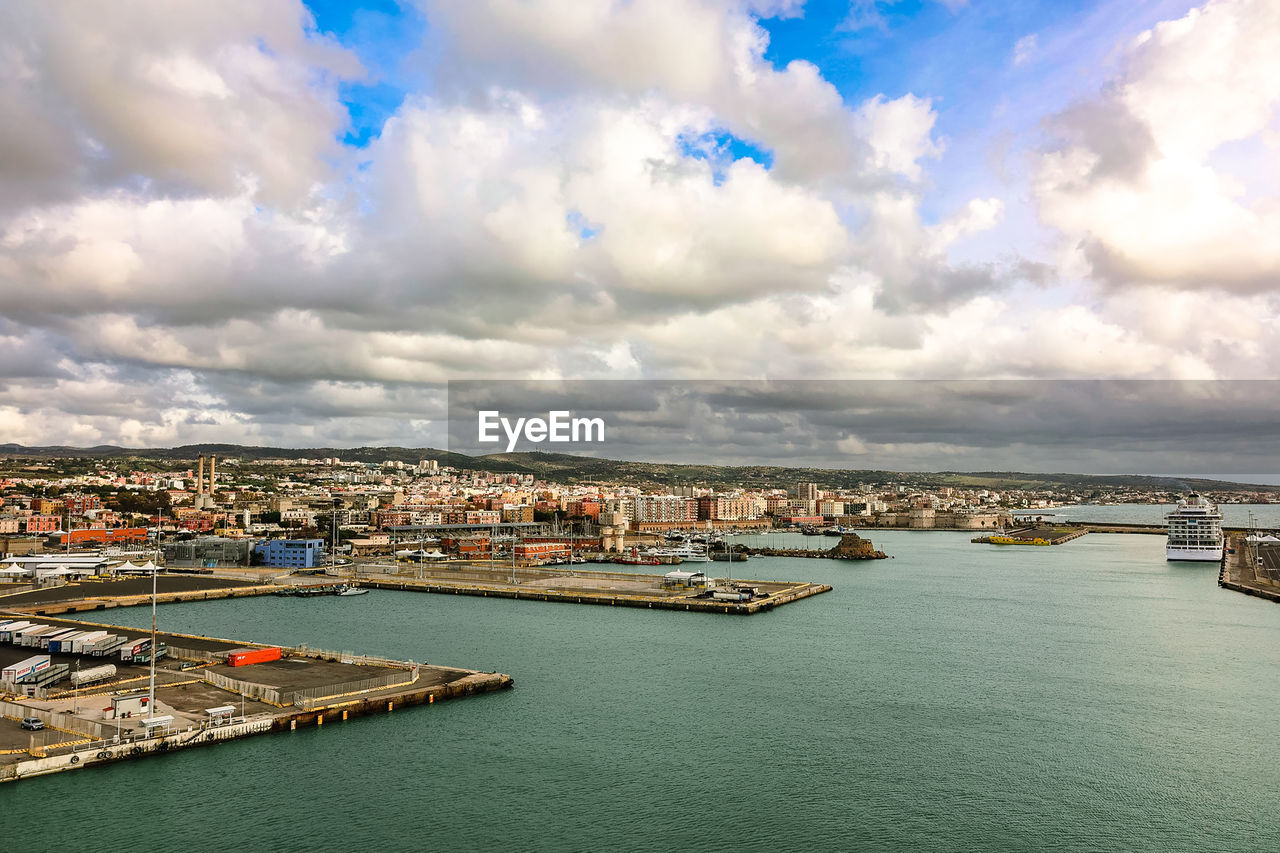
{"points": [[610, 589], [1035, 535], [1251, 569], [201, 699], [100, 594]]}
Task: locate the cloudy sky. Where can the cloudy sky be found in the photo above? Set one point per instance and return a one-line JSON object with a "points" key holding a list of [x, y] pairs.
{"points": [[290, 223], [1218, 428]]}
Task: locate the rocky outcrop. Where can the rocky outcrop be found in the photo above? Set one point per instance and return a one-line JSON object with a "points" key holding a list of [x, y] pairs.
{"points": [[854, 547]]}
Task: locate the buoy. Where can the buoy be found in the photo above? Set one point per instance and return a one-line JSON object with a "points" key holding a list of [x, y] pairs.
{"points": [[431, 698]]}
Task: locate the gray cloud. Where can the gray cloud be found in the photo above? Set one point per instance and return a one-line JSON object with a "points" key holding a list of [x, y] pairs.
{"points": [[1037, 426], [186, 252]]}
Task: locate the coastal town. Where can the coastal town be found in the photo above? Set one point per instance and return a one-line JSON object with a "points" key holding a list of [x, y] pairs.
{"points": [[304, 513], [88, 533]]}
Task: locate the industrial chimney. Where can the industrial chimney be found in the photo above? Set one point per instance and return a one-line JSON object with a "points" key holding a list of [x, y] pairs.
{"points": [[200, 476]]}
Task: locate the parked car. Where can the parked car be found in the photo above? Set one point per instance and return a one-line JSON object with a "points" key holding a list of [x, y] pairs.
{"points": [[32, 724]]}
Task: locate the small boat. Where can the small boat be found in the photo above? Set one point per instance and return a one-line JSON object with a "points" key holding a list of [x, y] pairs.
{"points": [[348, 589]]}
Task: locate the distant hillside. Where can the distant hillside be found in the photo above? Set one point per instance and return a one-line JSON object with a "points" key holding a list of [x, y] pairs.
{"points": [[568, 468], [253, 453]]}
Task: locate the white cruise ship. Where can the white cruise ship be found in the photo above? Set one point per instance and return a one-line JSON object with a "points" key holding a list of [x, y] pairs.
{"points": [[1195, 531]]}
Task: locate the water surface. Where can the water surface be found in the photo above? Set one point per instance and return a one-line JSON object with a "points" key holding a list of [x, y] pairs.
{"points": [[1088, 696]]}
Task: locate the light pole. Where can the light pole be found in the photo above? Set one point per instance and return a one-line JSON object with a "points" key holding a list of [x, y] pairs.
{"points": [[151, 688]]}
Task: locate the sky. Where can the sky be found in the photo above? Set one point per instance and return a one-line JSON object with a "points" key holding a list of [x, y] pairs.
{"points": [[292, 223]]}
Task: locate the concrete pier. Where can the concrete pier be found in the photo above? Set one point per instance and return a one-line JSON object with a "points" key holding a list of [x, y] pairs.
{"points": [[96, 594], [1251, 569], [305, 687], [614, 589], [1038, 535]]}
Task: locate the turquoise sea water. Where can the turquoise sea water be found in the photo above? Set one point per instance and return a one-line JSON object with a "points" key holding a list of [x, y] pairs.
{"points": [[957, 697]]}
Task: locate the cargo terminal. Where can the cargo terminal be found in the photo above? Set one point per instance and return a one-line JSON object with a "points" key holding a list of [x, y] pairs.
{"points": [[76, 694]]}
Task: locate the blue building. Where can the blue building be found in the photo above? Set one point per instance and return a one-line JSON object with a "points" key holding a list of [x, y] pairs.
{"points": [[291, 553]]}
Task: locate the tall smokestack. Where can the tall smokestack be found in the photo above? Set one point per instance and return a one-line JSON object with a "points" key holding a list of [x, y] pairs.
{"points": [[213, 474], [200, 477]]}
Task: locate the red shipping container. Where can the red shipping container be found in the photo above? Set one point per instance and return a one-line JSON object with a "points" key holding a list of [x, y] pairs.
{"points": [[245, 657]]}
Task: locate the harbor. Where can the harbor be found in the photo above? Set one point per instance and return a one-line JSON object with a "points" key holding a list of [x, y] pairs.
{"points": [[915, 660]]}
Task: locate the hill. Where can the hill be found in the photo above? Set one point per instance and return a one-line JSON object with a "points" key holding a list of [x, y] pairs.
{"points": [[568, 468]]}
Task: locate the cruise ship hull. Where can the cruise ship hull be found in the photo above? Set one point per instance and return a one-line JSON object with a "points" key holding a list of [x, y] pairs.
{"points": [[1198, 555]]}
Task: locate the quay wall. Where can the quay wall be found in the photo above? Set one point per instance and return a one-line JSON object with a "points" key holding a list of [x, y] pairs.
{"points": [[105, 752], [809, 553], [1235, 562], [611, 599], [52, 608]]}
